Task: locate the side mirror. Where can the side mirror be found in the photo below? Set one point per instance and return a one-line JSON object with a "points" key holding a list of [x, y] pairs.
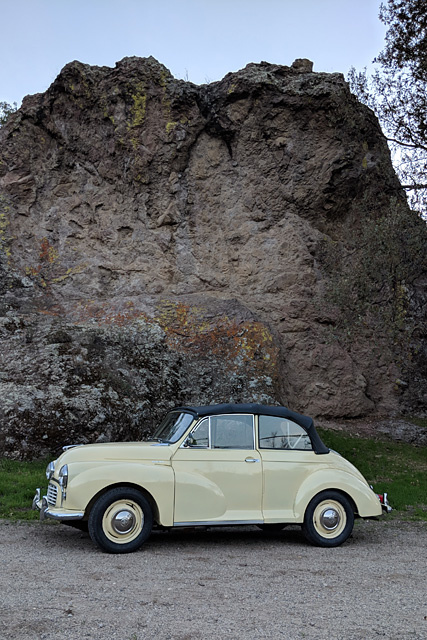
{"points": [[190, 441]]}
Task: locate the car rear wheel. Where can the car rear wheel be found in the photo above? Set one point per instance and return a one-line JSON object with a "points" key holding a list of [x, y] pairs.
{"points": [[121, 520], [328, 520]]}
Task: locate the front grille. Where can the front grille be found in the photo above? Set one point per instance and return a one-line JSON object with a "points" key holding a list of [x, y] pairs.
{"points": [[52, 492]]}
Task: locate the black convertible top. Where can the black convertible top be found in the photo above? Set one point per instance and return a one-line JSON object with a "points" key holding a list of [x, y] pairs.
{"points": [[265, 410]]}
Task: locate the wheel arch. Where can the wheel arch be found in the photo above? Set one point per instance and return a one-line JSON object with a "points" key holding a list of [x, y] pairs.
{"points": [[147, 495], [341, 492]]}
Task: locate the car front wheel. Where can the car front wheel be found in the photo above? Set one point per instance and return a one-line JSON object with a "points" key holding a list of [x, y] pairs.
{"points": [[121, 520], [328, 520]]}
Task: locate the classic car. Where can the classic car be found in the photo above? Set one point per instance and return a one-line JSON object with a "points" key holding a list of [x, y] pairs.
{"points": [[229, 464]]}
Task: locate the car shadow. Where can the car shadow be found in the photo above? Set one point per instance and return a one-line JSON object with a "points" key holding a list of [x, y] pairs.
{"points": [[225, 536], [228, 537]]}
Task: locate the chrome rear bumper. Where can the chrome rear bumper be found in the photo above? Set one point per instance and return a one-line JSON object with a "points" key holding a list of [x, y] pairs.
{"points": [[384, 502], [41, 504]]}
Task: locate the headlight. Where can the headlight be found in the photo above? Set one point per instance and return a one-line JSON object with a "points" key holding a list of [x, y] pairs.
{"points": [[50, 469], [63, 476]]}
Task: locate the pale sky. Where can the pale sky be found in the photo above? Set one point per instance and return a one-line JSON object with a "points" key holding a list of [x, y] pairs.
{"points": [[198, 40]]}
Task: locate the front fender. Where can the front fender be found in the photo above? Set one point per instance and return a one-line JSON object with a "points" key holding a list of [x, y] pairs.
{"points": [[366, 501], [85, 482]]}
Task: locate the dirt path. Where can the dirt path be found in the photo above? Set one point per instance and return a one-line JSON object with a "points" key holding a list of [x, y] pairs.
{"points": [[224, 583]]}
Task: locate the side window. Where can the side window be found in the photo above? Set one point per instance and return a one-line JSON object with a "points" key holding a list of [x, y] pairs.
{"points": [[280, 433], [200, 436], [232, 432]]}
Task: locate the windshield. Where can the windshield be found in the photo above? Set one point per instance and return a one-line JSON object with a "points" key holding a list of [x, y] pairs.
{"points": [[172, 427]]}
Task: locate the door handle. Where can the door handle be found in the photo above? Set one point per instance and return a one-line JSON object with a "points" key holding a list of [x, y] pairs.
{"points": [[251, 459]]}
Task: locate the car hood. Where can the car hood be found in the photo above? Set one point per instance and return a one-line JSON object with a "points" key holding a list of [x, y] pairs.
{"points": [[121, 451]]}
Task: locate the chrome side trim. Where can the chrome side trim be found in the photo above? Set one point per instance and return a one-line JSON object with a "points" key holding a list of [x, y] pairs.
{"points": [[211, 523]]}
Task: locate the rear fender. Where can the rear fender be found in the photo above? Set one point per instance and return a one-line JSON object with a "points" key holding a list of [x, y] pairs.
{"points": [[365, 500]]}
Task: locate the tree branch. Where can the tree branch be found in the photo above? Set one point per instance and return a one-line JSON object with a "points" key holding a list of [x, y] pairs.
{"points": [[407, 144]]}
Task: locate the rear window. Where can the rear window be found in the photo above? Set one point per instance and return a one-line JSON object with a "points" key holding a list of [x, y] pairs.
{"points": [[281, 433]]}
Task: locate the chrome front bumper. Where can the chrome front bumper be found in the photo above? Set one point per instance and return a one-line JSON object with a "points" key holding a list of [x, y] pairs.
{"points": [[41, 504]]}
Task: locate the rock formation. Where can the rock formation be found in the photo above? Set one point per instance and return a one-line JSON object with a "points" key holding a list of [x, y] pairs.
{"points": [[159, 245]]}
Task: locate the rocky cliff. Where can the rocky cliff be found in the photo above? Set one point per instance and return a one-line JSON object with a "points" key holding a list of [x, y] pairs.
{"points": [[161, 243]]}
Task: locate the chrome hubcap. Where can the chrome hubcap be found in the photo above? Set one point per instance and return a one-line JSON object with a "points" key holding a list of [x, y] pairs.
{"points": [[330, 519], [123, 521]]}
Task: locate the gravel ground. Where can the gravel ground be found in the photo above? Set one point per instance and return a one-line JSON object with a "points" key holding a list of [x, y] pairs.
{"points": [[222, 583]]}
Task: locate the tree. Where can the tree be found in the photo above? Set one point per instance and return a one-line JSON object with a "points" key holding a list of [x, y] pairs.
{"points": [[397, 92], [6, 111], [406, 38], [373, 269]]}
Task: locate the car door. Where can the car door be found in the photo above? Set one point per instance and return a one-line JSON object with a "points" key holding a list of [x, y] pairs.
{"points": [[287, 460], [218, 473]]}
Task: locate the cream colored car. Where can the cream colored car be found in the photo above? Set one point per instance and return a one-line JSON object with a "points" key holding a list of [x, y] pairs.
{"points": [[217, 465]]}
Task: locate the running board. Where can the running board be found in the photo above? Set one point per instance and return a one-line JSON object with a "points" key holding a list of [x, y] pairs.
{"points": [[210, 523]]}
